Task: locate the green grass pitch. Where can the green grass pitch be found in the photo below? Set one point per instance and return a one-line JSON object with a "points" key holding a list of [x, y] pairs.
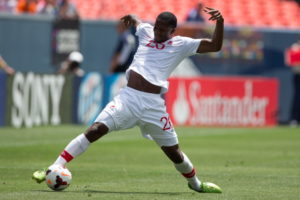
{"points": [[249, 164]]}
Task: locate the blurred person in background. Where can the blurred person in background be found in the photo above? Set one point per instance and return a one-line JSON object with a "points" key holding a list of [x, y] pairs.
{"points": [[3, 65], [195, 14], [293, 60], [72, 64], [8, 6], [125, 49], [26, 6], [67, 10], [48, 7]]}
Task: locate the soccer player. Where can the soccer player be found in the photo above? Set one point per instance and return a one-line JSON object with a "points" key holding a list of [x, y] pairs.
{"points": [[140, 103]]}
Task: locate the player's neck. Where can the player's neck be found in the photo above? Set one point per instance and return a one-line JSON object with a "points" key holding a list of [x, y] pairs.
{"points": [[162, 40]]}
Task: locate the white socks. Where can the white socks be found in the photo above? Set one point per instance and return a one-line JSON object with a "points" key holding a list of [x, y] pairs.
{"points": [[77, 146], [187, 170]]}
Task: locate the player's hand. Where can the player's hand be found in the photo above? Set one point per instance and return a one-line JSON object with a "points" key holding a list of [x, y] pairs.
{"points": [[130, 20], [215, 14]]}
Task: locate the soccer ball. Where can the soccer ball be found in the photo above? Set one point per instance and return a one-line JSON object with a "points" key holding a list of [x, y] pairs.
{"points": [[58, 177]]}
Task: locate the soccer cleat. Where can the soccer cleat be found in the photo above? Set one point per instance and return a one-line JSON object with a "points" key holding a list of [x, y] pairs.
{"points": [[207, 187], [39, 175]]}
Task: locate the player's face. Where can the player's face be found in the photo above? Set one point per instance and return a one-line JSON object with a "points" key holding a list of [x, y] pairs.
{"points": [[162, 31]]}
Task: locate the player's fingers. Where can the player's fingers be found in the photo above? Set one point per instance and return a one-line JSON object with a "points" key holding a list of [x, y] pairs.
{"points": [[213, 11], [209, 8], [215, 17], [215, 14], [207, 11]]}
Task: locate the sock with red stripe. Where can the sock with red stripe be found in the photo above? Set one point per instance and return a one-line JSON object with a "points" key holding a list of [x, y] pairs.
{"points": [[76, 147], [187, 170]]}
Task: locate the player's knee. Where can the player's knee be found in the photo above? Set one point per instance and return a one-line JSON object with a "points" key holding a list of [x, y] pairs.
{"points": [[98, 128], [96, 131]]}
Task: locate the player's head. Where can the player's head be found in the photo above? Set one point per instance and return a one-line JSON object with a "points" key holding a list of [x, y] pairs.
{"points": [[121, 27], [199, 7], [165, 26]]}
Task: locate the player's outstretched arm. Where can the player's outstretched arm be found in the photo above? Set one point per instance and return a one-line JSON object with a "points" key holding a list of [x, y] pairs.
{"points": [[215, 43], [131, 20]]}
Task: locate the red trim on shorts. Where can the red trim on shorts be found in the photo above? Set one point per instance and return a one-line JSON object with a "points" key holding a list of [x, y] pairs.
{"points": [[68, 157], [189, 175]]}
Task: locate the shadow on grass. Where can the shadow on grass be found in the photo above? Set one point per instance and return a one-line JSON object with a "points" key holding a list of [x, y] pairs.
{"points": [[115, 192], [119, 192]]}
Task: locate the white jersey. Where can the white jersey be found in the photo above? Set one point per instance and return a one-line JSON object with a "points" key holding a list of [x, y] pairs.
{"points": [[156, 61]]}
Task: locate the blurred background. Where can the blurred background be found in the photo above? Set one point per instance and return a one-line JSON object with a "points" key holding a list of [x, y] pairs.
{"points": [[252, 81]]}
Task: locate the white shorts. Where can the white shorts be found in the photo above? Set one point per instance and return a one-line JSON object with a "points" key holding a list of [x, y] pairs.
{"points": [[146, 110]]}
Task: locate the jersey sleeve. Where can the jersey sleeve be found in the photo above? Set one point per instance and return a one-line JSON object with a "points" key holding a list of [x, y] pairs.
{"points": [[190, 46], [143, 30]]}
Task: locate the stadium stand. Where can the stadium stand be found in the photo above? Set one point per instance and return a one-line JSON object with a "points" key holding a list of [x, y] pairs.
{"points": [[257, 13]]}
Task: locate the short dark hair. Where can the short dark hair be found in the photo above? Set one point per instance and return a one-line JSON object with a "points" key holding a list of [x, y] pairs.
{"points": [[169, 17]]}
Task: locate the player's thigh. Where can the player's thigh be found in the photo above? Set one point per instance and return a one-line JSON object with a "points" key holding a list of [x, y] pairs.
{"points": [[106, 119], [117, 116], [163, 137]]}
